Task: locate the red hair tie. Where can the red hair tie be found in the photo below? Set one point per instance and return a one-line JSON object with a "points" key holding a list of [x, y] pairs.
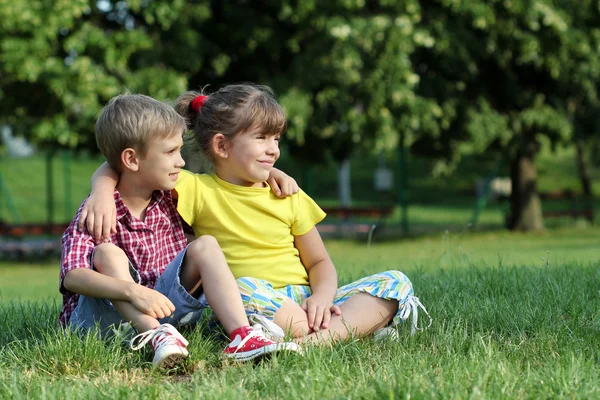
{"points": [[198, 102]]}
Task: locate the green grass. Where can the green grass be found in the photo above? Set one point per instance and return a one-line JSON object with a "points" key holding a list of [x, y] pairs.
{"points": [[515, 316]]}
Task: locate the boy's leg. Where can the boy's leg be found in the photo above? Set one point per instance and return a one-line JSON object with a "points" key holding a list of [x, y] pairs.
{"points": [[168, 344], [205, 270], [110, 260]]}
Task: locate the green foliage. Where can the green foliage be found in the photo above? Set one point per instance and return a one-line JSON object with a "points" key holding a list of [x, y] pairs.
{"points": [[61, 61]]}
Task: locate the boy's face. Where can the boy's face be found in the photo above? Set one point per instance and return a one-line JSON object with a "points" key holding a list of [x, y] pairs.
{"points": [[159, 168]]}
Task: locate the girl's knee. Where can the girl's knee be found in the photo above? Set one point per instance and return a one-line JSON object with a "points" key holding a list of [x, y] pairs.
{"points": [[395, 276], [203, 245]]}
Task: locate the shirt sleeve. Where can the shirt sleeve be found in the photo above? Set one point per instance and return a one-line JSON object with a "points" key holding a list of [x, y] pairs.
{"points": [[188, 196], [76, 251], [308, 214]]}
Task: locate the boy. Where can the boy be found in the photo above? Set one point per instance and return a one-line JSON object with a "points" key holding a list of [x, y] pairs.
{"points": [[147, 276]]}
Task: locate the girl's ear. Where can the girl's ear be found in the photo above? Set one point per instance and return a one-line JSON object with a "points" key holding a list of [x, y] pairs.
{"points": [[130, 159], [220, 145]]}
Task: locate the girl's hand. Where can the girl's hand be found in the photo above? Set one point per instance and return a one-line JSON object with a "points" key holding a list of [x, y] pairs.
{"points": [[282, 184], [319, 311], [99, 216]]}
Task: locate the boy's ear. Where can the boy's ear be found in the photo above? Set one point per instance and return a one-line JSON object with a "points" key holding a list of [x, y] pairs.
{"points": [[220, 145], [130, 159]]}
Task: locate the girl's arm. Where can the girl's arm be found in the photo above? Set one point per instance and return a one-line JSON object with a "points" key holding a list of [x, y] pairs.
{"points": [[99, 213], [322, 278]]}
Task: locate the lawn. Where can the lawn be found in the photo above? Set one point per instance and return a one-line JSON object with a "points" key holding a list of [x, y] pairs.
{"points": [[515, 316]]}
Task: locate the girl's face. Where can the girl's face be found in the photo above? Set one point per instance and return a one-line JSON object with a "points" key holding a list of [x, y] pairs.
{"points": [[248, 158]]}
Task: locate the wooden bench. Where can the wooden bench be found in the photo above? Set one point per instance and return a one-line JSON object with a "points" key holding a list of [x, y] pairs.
{"points": [[30, 240], [363, 212], [348, 227], [31, 229], [578, 206]]}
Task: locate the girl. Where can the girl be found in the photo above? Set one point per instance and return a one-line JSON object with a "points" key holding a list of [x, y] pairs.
{"points": [[271, 244]]}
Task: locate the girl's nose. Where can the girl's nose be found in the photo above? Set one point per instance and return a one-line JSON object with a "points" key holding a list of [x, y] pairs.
{"points": [[273, 146]]}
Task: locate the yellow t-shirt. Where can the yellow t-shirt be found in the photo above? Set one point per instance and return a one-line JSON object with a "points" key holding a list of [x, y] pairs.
{"points": [[254, 228]]}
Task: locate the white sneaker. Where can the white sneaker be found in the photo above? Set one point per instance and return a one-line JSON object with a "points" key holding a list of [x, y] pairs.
{"points": [[387, 333], [269, 328], [170, 348]]}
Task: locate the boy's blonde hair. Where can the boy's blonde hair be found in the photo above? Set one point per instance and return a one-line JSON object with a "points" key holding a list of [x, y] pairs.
{"points": [[132, 121]]}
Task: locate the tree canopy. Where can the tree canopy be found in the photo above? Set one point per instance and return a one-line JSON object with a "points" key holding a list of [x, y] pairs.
{"points": [[452, 77]]}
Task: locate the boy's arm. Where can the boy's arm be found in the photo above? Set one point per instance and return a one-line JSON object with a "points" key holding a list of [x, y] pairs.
{"points": [[282, 184], [322, 278], [99, 214], [94, 284], [77, 276]]}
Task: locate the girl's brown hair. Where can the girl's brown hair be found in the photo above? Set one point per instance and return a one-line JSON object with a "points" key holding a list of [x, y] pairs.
{"points": [[232, 110]]}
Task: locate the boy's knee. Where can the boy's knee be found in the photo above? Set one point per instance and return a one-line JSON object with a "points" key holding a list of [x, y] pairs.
{"points": [[108, 255]]}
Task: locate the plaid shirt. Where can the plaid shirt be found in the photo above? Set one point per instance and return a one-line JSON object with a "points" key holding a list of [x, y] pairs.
{"points": [[150, 245]]}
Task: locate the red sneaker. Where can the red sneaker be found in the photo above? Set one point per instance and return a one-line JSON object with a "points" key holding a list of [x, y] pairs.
{"points": [[249, 342]]}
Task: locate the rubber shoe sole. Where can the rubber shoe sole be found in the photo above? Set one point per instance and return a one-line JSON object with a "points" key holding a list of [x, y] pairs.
{"points": [[264, 351]]}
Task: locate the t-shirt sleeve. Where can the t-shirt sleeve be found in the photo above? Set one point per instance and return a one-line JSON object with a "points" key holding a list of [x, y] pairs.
{"points": [[188, 196], [76, 251], [307, 214]]}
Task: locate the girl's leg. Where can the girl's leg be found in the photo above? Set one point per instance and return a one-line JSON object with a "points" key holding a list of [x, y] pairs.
{"points": [[205, 269], [293, 319], [110, 260], [367, 305], [260, 298], [362, 314]]}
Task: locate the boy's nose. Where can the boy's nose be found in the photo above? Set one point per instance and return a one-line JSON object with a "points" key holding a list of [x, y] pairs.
{"points": [[180, 162]]}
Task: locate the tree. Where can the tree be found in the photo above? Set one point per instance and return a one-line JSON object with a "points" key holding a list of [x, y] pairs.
{"points": [[60, 61], [508, 71]]}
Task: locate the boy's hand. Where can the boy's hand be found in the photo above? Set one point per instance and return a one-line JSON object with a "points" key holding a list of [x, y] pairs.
{"points": [[99, 216], [282, 184], [319, 311], [151, 302]]}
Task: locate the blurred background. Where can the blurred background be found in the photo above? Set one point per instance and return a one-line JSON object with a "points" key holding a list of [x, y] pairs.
{"points": [[405, 117]]}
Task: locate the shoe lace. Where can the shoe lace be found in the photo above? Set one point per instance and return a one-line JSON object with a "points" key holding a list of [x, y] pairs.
{"points": [[256, 333], [269, 328], [164, 334], [411, 306]]}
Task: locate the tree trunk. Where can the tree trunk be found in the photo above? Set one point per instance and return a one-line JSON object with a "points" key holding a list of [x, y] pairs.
{"points": [[344, 188], [584, 175], [583, 169], [525, 204]]}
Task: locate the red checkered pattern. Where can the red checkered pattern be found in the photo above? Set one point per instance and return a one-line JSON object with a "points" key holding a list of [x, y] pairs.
{"points": [[150, 245]]}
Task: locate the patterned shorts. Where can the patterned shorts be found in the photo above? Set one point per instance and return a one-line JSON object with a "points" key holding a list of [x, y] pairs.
{"points": [[260, 297]]}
